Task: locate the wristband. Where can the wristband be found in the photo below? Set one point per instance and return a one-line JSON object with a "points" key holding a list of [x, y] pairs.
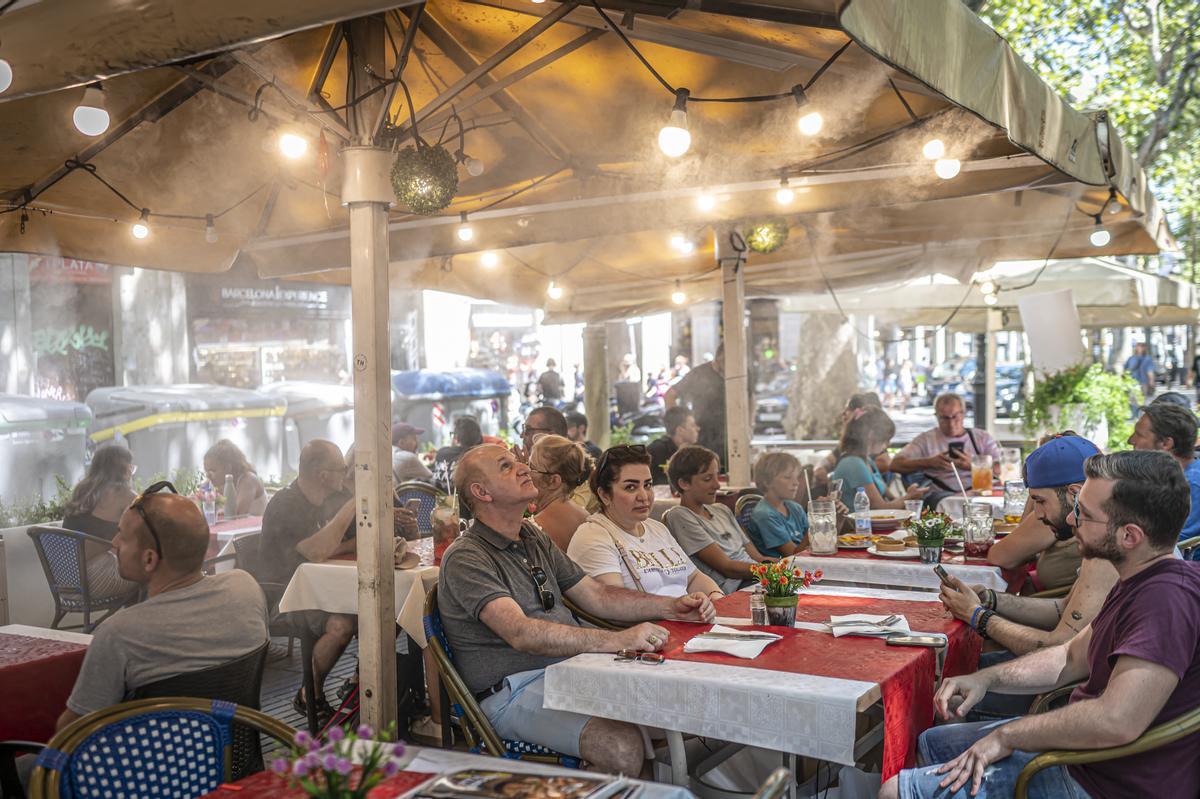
{"points": [[975, 615], [984, 618]]}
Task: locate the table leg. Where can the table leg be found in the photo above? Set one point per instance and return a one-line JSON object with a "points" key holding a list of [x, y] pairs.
{"points": [[679, 770], [308, 680]]}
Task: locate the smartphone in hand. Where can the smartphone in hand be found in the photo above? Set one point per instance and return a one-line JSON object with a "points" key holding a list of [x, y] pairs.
{"points": [[955, 448], [943, 575]]}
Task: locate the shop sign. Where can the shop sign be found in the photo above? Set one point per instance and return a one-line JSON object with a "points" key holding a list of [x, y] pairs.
{"points": [[51, 269]]}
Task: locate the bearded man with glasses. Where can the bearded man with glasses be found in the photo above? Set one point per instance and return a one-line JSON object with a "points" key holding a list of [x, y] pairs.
{"points": [[500, 594], [188, 621]]}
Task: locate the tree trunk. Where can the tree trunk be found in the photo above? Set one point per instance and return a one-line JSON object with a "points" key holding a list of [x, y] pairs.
{"points": [[826, 376]]}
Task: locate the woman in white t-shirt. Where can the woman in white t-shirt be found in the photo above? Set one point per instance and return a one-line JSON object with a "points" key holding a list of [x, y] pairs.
{"points": [[621, 545]]}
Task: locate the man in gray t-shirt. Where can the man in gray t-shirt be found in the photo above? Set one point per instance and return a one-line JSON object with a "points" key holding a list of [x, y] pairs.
{"points": [[500, 596], [189, 621]]}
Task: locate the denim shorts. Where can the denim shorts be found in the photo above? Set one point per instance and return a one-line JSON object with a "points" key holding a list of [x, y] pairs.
{"points": [[517, 714], [939, 745]]}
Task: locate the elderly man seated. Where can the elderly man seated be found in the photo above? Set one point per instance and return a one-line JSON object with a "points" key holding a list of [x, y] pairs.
{"points": [[188, 622], [1139, 662], [938, 452], [501, 599]]}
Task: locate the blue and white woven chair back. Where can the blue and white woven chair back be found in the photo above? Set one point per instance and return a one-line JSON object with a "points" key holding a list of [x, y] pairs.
{"points": [[63, 553], [427, 497], [745, 512], [170, 753]]}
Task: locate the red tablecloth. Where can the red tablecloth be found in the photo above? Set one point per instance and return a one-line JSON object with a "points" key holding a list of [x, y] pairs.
{"points": [[905, 674], [36, 677], [267, 785]]}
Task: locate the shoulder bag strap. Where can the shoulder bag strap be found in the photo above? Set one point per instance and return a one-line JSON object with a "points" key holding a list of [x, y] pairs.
{"points": [[621, 551]]}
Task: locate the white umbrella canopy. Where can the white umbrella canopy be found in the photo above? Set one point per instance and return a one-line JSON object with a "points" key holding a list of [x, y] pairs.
{"points": [[575, 189], [1106, 294]]}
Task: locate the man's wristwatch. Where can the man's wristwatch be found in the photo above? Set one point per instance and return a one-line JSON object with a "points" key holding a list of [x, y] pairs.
{"points": [[988, 599]]}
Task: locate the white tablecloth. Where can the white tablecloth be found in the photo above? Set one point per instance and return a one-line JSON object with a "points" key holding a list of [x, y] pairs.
{"points": [[953, 505], [895, 572], [333, 588], [801, 714], [45, 632]]}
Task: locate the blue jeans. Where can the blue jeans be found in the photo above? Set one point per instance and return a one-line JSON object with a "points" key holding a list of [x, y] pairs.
{"points": [[939, 745]]}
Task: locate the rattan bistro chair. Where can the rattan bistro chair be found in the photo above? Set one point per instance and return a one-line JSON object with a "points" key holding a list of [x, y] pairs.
{"points": [[1168, 732], [427, 496], [238, 681], [1188, 544], [174, 746], [775, 785], [481, 736], [64, 561], [743, 508]]}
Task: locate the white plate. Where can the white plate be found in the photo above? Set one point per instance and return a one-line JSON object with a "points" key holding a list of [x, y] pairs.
{"points": [[854, 546], [907, 552]]}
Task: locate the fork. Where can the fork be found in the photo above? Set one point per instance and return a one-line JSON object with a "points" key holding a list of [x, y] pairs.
{"points": [[888, 622]]}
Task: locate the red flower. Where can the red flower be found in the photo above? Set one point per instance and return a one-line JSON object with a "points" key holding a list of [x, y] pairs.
{"points": [[818, 574], [763, 581]]}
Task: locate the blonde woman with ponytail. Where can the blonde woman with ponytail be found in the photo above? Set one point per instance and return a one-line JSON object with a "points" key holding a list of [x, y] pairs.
{"points": [[560, 466]]}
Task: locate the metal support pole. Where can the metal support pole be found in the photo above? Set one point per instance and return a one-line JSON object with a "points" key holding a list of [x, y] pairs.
{"points": [[983, 400], [367, 192], [595, 383], [994, 324], [731, 254]]}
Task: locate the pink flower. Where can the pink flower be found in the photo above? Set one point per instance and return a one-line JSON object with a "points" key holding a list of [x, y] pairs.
{"points": [[280, 765], [364, 731], [343, 766], [300, 768], [391, 768], [335, 734], [303, 739]]}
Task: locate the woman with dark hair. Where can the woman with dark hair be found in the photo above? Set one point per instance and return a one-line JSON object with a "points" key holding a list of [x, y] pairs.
{"points": [[621, 545], [705, 529], [560, 466], [863, 439], [225, 459], [95, 507]]}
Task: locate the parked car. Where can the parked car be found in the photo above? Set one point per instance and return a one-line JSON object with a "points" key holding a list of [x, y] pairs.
{"points": [[957, 376], [771, 404]]}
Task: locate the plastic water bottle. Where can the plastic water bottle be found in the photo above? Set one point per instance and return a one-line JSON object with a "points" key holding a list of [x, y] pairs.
{"points": [[862, 511], [208, 502], [230, 503]]}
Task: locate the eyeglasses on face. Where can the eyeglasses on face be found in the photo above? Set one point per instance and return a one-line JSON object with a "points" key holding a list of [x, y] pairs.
{"points": [[545, 594], [138, 505], [631, 655], [1079, 520]]}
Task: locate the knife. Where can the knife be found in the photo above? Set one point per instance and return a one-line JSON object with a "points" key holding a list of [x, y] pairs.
{"points": [[741, 636]]}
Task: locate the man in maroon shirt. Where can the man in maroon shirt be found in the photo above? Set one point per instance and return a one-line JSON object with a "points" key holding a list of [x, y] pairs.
{"points": [[1139, 661]]}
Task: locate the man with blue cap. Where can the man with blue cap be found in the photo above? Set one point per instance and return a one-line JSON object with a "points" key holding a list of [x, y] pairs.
{"points": [[1054, 475]]}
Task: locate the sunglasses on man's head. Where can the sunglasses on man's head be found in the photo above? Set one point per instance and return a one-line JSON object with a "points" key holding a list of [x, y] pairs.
{"points": [[138, 505]]}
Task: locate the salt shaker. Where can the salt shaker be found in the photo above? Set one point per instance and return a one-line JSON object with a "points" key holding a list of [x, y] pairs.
{"points": [[758, 608]]}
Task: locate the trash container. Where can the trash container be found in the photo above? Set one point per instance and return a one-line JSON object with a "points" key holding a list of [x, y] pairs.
{"points": [[40, 438], [314, 410], [433, 400], [169, 427]]}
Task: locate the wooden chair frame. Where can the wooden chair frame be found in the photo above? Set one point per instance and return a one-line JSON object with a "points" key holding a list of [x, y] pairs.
{"points": [[44, 783]]}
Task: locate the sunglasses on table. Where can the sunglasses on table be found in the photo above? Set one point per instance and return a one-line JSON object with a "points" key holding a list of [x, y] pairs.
{"points": [[138, 505], [631, 655]]}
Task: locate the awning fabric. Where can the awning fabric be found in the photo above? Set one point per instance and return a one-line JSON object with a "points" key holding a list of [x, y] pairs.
{"points": [[574, 188]]}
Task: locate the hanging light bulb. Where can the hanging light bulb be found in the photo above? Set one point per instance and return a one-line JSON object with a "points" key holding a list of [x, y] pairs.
{"points": [[934, 149], [91, 115], [292, 145], [810, 124], [141, 228], [674, 139], [706, 201], [1100, 237], [465, 231], [677, 241], [785, 195], [5, 76], [990, 299], [553, 291], [988, 287], [687, 247], [210, 230], [947, 168], [474, 165], [677, 296], [489, 259]]}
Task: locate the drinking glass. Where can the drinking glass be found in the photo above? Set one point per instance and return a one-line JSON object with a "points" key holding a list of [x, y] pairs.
{"points": [[977, 535], [981, 474], [914, 506], [1010, 464], [1015, 497], [822, 527]]}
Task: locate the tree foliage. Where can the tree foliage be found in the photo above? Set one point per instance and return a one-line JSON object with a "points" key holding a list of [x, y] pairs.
{"points": [[1138, 59]]}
